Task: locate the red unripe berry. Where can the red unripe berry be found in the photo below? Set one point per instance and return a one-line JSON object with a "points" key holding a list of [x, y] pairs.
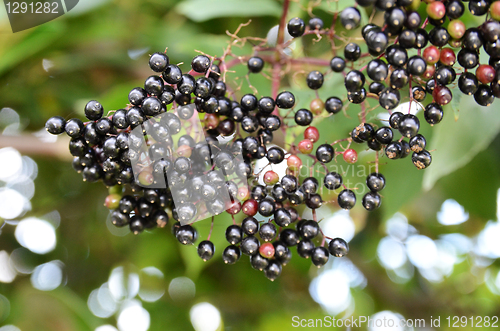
{"points": [[350, 155], [495, 10], [267, 250], [317, 106], [146, 177], [306, 146], [211, 121], [429, 72], [250, 207], [184, 150], [233, 207], [485, 73], [292, 172], [431, 54], [442, 95], [456, 29], [112, 201], [243, 193], [271, 177], [447, 56], [312, 134], [436, 10], [294, 162]]}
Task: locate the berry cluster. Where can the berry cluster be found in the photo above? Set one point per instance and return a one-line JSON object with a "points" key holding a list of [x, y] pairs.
{"points": [[186, 146]]}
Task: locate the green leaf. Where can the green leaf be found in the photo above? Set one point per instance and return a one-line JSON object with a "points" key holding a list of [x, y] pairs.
{"points": [[338, 6], [455, 103], [203, 10], [457, 142], [189, 253], [32, 42], [463, 186]]}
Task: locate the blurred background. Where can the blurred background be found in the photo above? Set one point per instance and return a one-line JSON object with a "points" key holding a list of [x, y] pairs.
{"points": [[432, 249]]}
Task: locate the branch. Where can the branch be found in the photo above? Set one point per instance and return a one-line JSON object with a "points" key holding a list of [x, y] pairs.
{"points": [[28, 144]]}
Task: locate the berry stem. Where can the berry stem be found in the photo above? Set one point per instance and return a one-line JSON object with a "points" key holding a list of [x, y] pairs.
{"points": [[211, 228], [281, 30]]}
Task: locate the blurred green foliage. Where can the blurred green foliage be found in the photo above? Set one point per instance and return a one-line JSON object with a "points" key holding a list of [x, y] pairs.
{"points": [[91, 51]]}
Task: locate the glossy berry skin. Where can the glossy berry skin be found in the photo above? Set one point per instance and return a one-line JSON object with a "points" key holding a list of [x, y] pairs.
{"points": [[485, 73], [352, 52], [433, 113], [325, 153], [267, 231], [408, 125], [315, 23], [206, 250], [350, 156], [317, 106], [305, 146], [285, 100], [320, 256], [250, 226], [436, 10], [200, 63], [266, 250], [389, 98], [377, 70], [303, 117], [305, 248], [158, 62], [376, 88], [338, 247], [278, 193], [333, 105], [346, 199], [271, 177], [55, 125], [289, 237], [384, 135], [255, 64], [172, 74], [231, 254], [296, 27], [421, 160], [289, 183], [431, 54], [309, 229], [312, 134], [468, 59], [371, 201], [442, 95], [333, 180], [258, 262], [393, 150], [282, 217], [337, 64], [273, 270], [266, 207], [484, 95], [186, 235], [375, 182], [234, 234], [275, 155], [93, 110], [294, 162], [350, 18], [315, 80], [354, 80], [417, 143]]}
